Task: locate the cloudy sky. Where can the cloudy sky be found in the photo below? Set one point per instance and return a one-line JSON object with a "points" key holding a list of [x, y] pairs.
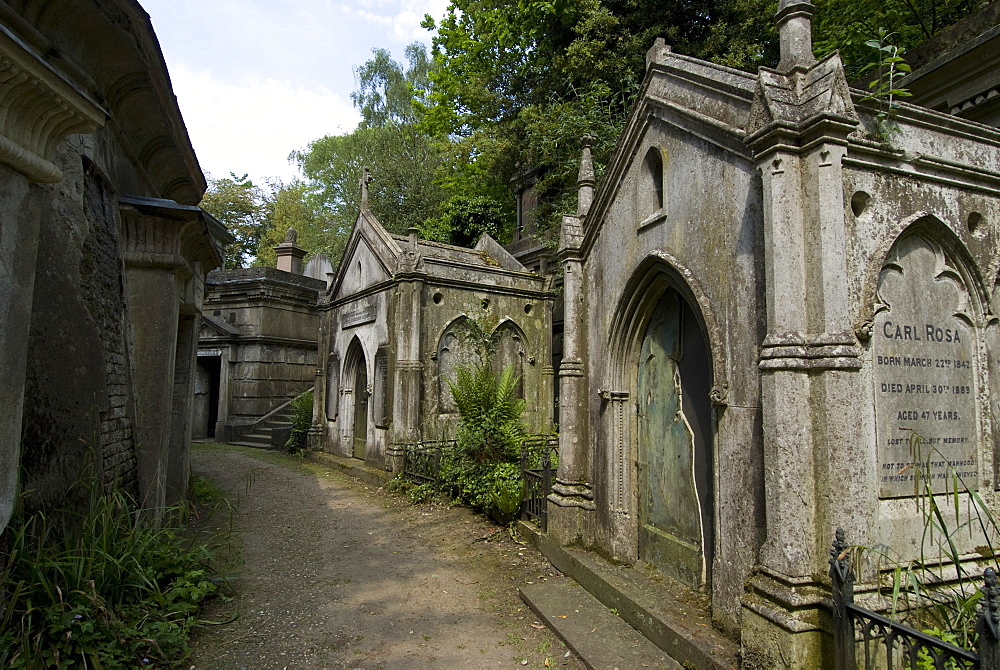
{"points": [[257, 79]]}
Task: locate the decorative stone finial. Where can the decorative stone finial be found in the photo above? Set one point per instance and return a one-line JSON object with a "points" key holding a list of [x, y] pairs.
{"points": [[585, 181], [794, 21], [291, 237], [366, 178]]}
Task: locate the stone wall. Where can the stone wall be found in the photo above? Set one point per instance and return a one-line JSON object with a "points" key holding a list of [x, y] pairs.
{"points": [[262, 324]]}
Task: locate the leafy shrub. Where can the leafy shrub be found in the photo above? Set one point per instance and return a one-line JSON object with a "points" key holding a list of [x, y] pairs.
{"points": [[484, 468], [302, 416], [102, 587]]}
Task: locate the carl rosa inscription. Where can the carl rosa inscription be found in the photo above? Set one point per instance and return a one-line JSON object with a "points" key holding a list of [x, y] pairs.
{"points": [[924, 372]]}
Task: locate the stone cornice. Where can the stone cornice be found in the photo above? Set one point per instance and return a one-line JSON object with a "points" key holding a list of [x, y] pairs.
{"points": [[39, 108]]}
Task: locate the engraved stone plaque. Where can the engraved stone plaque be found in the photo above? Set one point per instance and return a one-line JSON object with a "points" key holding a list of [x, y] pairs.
{"points": [[923, 354], [358, 316]]}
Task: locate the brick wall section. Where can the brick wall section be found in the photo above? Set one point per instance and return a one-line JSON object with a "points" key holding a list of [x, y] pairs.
{"points": [[104, 295]]}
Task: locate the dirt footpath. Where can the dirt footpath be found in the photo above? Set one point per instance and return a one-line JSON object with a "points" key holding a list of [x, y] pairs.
{"points": [[336, 573]]}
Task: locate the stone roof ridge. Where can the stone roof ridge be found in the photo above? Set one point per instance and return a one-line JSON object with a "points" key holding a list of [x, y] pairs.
{"points": [[491, 247], [218, 325]]}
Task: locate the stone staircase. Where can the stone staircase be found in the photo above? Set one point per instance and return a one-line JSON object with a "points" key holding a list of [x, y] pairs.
{"points": [[271, 432]]}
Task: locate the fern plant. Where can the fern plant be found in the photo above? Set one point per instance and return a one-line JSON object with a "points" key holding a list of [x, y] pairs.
{"points": [[484, 468]]}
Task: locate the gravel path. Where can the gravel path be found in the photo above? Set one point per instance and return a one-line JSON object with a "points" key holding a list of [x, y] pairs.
{"points": [[336, 573]]}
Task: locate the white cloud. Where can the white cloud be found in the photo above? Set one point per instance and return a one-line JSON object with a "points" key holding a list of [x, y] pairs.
{"points": [[401, 20], [252, 125]]}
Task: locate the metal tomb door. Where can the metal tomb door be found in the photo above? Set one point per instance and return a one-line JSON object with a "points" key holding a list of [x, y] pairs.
{"points": [[360, 394], [675, 435]]}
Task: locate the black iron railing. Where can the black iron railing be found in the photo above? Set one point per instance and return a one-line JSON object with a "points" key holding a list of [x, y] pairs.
{"points": [[539, 460], [890, 645], [422, 460]]}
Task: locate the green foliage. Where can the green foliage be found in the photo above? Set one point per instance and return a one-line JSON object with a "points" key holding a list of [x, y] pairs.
{"points": [[100, 587], [302, 416], [848, 25], [464, 219], [387, 94], [884, 90], [240, 205], [939, 591], [295, 205], [402, 161]]}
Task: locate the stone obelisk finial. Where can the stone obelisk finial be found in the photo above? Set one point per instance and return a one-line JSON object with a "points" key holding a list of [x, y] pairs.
{"points": [[585, 181], [366, 178], [794, 21]]}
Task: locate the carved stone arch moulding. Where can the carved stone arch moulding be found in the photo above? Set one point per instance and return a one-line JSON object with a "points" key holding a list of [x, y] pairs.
{"points": [[656, 273], [933, 229], [451, 350], [928, 361]]}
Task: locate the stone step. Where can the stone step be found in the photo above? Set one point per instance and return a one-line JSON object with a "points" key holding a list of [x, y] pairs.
{"points": [[255, 445], [257, 437], [595, 634], [673, 617]]}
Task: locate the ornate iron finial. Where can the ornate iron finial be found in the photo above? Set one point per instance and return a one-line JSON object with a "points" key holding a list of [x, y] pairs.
{"points": [[840, 558], [989, 606], [291, 237], [366, 178]]}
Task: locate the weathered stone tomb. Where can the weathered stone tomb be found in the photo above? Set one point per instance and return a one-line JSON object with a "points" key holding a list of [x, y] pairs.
{"points": [[392, 335], [765, 297]]}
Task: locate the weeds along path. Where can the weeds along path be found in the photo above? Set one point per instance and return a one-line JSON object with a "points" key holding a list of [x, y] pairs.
{"points": [[336, 573]]}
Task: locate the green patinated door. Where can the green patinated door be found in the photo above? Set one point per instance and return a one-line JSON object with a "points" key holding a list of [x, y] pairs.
{"points": [[675, 436], [360, 410]]}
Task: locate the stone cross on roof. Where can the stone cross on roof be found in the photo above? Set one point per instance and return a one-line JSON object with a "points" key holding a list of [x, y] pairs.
{"points": [[366, 178]]}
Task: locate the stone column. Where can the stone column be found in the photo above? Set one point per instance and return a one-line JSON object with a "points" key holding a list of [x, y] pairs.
{"points": [[18, 249], [800, 121], [153, 303], [572, 494], [178, 457], [408, 373], [30, 91]]}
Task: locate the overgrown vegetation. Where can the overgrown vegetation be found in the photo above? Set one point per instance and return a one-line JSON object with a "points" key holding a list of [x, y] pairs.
{"points": [[506, 91], [102, 586], [938, 592], [302, 416], [885, 91]]}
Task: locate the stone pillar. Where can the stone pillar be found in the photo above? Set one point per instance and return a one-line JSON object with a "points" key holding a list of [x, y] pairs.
{"points": [[153, 303], [167, 253], [26, 149], [178, 457], [18, 249], [290, 254], [572, 494], [810, 355], [408, 374]]}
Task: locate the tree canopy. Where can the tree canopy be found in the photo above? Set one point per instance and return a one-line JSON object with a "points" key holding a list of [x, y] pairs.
{"points": [[509, 87]]}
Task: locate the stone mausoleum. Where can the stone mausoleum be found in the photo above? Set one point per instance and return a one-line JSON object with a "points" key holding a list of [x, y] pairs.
{"points": [[392, 333], [103, 255], [766, 296], [256, 347]]}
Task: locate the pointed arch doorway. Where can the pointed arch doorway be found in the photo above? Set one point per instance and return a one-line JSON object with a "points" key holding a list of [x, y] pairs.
{"points": [[675, 464], [356, 368]]}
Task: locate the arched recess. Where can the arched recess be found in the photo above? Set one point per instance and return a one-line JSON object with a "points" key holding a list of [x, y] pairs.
{"points": [[453, 350], [510, 350], [356, 394], [932, 337], [662, 459], [382, 389], [649, 193], [332, 386]]}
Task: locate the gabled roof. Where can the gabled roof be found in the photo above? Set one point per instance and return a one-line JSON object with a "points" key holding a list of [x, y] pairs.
{"points": [[382, 256]]}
